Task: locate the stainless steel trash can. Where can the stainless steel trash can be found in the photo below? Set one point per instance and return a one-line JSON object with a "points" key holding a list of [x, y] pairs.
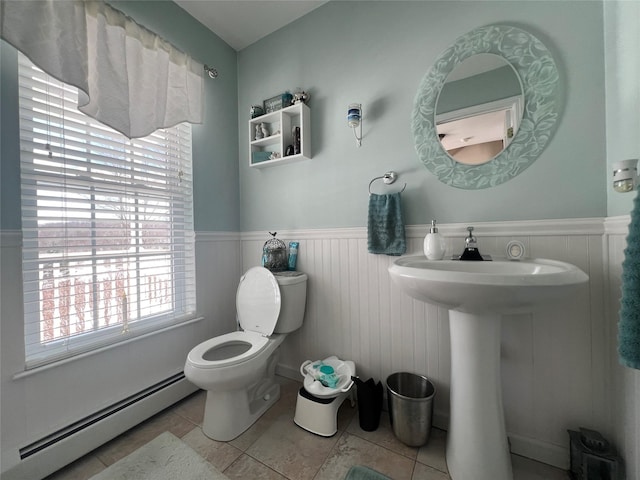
{"points": [[410, 400]]}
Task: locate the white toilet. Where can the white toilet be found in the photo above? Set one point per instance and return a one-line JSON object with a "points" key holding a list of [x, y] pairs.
{"points": [[237, 369]]}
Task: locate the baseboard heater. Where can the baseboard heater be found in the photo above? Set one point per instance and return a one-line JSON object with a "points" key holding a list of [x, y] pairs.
{"points": [[90, 420]]}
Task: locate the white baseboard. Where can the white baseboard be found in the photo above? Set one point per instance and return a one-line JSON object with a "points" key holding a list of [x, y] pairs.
{"points": [[543, 452], [289, 372]]}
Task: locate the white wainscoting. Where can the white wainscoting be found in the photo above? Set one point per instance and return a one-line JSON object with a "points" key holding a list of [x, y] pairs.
{"points": [[559, 365], [36, 405], [554, 362], [218, 262]]}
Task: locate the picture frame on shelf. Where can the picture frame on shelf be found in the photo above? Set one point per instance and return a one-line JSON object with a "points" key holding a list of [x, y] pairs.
{"points": [[273, 104]]}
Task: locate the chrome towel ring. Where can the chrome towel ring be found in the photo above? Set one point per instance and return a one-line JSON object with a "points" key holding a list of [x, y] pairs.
{"points": [[388, 178]]}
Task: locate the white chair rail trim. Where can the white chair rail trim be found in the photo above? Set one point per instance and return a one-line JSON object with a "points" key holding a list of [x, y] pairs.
{"points": [[564, 226]]}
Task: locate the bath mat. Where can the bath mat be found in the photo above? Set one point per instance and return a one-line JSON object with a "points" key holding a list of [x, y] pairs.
{"points": [[358, 472], [166, 457]]}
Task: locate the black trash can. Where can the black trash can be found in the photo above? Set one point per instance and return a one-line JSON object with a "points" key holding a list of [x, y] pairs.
{"points": [[369, 403], [410, 400]]}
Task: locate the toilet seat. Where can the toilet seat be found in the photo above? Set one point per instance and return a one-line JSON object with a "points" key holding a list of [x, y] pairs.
{"points": [[258, 304], [255, 341]]}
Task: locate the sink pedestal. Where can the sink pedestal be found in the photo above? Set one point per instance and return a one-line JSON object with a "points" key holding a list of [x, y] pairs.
{"points": [[477, 446]]}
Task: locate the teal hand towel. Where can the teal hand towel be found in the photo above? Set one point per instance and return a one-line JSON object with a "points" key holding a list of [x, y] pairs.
{"points": [[358, 472], [385, 233], [629, 322]]}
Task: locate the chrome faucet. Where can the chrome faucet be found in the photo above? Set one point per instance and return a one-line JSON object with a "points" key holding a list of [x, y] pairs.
{"points": [[471, 251]]}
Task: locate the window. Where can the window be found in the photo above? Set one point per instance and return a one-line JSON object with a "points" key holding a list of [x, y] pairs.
{"points": [[107, 222]]}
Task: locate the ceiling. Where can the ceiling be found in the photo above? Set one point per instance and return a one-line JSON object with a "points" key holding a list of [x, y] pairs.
{"points": [[243, 22]]}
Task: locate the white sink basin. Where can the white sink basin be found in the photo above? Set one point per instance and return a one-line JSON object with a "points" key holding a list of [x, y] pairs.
{"points": [[477, 294], [499, 286]]}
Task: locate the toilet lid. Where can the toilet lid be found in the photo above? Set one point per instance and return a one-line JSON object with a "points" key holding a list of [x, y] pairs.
{"points": [[258, 301]]}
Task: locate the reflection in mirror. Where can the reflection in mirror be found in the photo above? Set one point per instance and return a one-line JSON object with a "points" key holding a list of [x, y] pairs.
{"points": [[479, 109]]}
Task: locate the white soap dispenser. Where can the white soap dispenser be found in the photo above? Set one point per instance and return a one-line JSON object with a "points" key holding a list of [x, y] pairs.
{"points": [[434, 243]]}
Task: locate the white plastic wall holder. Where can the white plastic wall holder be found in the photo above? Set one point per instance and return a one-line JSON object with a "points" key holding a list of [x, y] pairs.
{"points": [[354, 119]]}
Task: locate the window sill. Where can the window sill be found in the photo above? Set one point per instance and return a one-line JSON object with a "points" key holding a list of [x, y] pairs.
{"points": [[56, 363]]}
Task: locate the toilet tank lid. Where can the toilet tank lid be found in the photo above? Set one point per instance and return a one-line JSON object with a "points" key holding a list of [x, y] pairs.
{"points": [[290, 277], [258, 301]]}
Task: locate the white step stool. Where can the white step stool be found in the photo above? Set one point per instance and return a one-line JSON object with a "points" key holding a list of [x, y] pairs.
{"points": [[317, 406]]}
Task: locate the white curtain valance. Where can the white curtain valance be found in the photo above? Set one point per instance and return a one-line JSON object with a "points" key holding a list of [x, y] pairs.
{"points": [[130, 79]]}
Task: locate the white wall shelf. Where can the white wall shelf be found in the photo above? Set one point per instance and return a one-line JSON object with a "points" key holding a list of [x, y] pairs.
{"points": [[280, 124]]}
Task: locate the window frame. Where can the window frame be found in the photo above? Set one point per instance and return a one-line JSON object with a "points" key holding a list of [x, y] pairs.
{"points": [[181, 245]]}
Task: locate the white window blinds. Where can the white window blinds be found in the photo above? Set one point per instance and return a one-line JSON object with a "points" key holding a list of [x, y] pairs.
{"points": [[107, 222]]}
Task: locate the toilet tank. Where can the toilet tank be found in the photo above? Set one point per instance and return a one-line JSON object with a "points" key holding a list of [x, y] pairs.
{"points": [[293, 294]]}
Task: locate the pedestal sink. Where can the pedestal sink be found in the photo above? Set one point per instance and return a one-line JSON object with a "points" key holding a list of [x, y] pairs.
{"points": [[476, 295]]}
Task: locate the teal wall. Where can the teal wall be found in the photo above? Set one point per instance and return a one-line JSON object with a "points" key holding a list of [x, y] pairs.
{"points": [[622, 27], [479, 89], [9, 140], [376, 53], [215, 144]]}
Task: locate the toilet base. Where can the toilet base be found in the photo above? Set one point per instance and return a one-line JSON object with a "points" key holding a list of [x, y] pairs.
{"points": [[319, 415], [229, 414]]}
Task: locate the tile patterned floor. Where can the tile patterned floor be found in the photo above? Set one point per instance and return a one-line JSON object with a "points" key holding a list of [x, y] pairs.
{"points": [[274, 448]]}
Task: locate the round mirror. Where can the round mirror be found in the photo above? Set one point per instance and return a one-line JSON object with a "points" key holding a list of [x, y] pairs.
{"points": [[479, 109], [536, 72]]}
